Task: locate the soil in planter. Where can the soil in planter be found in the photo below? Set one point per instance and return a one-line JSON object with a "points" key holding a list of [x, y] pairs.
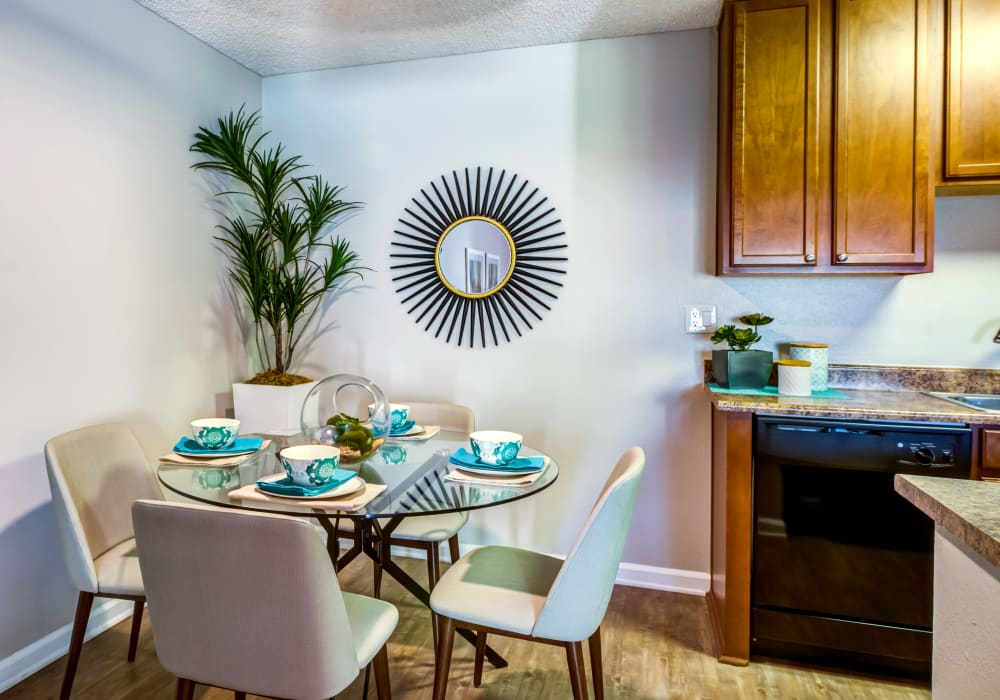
{"points": [[275, 378]]}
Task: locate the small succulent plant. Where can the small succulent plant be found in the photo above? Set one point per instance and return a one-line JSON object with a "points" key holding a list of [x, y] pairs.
{"points": [[741, 339]]}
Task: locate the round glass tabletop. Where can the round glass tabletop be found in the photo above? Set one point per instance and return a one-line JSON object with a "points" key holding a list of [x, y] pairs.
{"points": [[413, 472]]}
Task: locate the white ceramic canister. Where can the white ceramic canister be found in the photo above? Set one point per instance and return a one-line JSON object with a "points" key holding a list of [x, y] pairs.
{"points": [[794, 378], [817, 354]]}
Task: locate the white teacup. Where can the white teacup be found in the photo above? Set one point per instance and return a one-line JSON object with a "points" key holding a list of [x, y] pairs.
{"points": [[215, 433], [399, 413], [310, 465], [495, 447]]}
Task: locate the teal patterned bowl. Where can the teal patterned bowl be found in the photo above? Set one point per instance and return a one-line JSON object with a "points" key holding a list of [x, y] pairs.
{"points": [[310, 465], [215, 433], [399, 413], [495, 447]]}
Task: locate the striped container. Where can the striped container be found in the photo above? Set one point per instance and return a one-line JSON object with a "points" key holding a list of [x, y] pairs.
{"points": [[794, 378], [817, 354]]}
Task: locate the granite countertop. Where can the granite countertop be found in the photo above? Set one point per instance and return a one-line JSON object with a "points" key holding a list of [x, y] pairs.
{"points": [[860, 403], [878, 392], [969, 510]]}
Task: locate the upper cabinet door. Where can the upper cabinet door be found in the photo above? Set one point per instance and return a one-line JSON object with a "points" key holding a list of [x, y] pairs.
{"points": [[883, 203], [972, 117], [771, 79]]}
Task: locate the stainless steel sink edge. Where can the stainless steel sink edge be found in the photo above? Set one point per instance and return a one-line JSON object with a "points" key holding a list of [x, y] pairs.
{"points": [[969, 400]]}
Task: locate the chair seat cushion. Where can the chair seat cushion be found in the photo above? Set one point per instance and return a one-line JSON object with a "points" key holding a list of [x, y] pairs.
{"points": [[430, 528], [501, 587], [118, 570], [372, 621]]}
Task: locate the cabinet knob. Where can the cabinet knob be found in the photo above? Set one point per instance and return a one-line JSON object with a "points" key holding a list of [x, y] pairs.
{"points": [[810, 258], [841, 257]]}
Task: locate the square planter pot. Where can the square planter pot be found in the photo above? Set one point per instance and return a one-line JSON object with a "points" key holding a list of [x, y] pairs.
{"points": [[269, 410], [749, 369]]}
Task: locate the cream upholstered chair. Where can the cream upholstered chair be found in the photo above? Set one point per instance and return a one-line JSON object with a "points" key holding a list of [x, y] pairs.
{"points": [[427, 532], [250, 602], [523, 594], [95, 473]]}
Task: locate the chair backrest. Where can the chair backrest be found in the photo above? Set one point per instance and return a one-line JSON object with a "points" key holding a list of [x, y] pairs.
{"points": [[95, 473], [244, 601], [450, 416], [579, 596]]}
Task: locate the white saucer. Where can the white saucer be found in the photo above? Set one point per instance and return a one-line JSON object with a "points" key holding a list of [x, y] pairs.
{"points": [[348, 488]]}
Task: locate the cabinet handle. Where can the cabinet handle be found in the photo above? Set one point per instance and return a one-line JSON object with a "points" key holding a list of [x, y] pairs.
{"points": [[810, 258], [842, 257]]}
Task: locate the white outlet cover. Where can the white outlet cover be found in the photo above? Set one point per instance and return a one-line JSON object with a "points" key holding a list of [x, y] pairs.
{"points": [[699, 318]]}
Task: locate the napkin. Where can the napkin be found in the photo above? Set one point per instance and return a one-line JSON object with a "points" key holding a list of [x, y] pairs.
{"points": [[286, 487], [223, 460], [403, 428], [521, 465], [188, 446]]}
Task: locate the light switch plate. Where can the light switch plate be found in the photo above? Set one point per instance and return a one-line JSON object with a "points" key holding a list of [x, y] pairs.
{"points": [[699, 318]]}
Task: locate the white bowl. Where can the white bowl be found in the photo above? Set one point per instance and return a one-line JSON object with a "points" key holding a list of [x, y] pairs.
{"points": [[215, 433], [495, 447], [310, 465]]}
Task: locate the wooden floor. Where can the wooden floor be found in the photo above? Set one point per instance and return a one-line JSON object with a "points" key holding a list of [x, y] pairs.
{"points": [[656, 645]]}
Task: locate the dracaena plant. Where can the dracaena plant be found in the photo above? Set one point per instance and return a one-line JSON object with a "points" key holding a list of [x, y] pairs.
{"points": [[283, 260], [741, 339]]}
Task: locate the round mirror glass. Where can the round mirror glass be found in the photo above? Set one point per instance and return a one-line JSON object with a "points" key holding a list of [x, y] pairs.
{"points": [[475, 256]]}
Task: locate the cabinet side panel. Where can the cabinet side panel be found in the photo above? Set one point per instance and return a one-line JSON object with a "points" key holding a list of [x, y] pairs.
{"points": [[774, 139], [883, 195]]}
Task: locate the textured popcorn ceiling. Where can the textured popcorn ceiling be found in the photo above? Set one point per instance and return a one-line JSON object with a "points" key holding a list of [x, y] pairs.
{"points": [[289, 36]]}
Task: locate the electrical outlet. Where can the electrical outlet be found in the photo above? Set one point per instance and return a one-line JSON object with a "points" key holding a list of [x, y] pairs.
{"points": [[699, 319]]}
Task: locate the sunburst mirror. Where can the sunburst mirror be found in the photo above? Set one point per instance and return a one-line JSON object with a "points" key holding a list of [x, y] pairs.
{"points": [[478, 257]]}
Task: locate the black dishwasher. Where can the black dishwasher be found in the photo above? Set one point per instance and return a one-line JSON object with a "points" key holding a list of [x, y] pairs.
{"points": [[842, 564]]}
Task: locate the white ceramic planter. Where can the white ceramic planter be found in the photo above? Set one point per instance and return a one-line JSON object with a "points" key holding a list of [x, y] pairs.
{"points": [[269, 410]]}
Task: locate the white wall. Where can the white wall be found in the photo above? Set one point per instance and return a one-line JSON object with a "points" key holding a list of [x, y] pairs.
{"points": [[620, 134], [108, 277]]}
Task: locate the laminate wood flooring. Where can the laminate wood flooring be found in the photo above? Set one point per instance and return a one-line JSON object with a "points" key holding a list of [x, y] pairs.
{"points": [[657, 645]]}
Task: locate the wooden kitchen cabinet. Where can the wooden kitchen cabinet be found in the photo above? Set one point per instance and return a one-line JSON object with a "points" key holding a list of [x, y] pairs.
{"points": [[972, 93], [825, 164], [989, 453]]}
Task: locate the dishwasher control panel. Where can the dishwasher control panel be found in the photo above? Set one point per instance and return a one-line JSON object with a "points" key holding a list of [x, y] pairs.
{"points": [[926, 453]]}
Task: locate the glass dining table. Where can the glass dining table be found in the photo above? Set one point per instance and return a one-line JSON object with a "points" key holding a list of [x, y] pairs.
{"points": [[413, 472]]}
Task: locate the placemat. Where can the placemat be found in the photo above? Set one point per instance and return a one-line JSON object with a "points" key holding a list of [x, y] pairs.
{"points": [[474, 480], [352, 502], [773, 391]]}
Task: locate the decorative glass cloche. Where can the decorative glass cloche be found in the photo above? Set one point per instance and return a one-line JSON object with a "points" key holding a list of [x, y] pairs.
{"points": [[348, 411]]}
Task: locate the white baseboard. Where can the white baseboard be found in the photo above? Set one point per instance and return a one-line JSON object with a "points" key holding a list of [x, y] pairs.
{"points": [[106, 613], [637, 575]]}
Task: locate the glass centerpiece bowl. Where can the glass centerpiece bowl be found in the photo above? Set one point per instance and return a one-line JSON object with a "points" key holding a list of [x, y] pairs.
{"points": [[348, 411]]}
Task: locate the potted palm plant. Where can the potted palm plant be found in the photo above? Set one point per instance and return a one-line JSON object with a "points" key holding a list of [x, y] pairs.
{"points": [[282, 259], [739, 367]]}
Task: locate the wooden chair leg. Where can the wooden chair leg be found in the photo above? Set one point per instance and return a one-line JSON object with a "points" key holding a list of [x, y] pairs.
{"points": [[577, 676], [453, 548], [185, 689], [433, 574], [83, 605], [596, 664], [377, 576], [381, 664], [433, 564], [443, 665], [477, 673], [133, 640]]}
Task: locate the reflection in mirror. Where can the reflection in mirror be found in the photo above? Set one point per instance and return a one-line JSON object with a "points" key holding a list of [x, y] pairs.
{"points": [[474, 256], [477, 257]]}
